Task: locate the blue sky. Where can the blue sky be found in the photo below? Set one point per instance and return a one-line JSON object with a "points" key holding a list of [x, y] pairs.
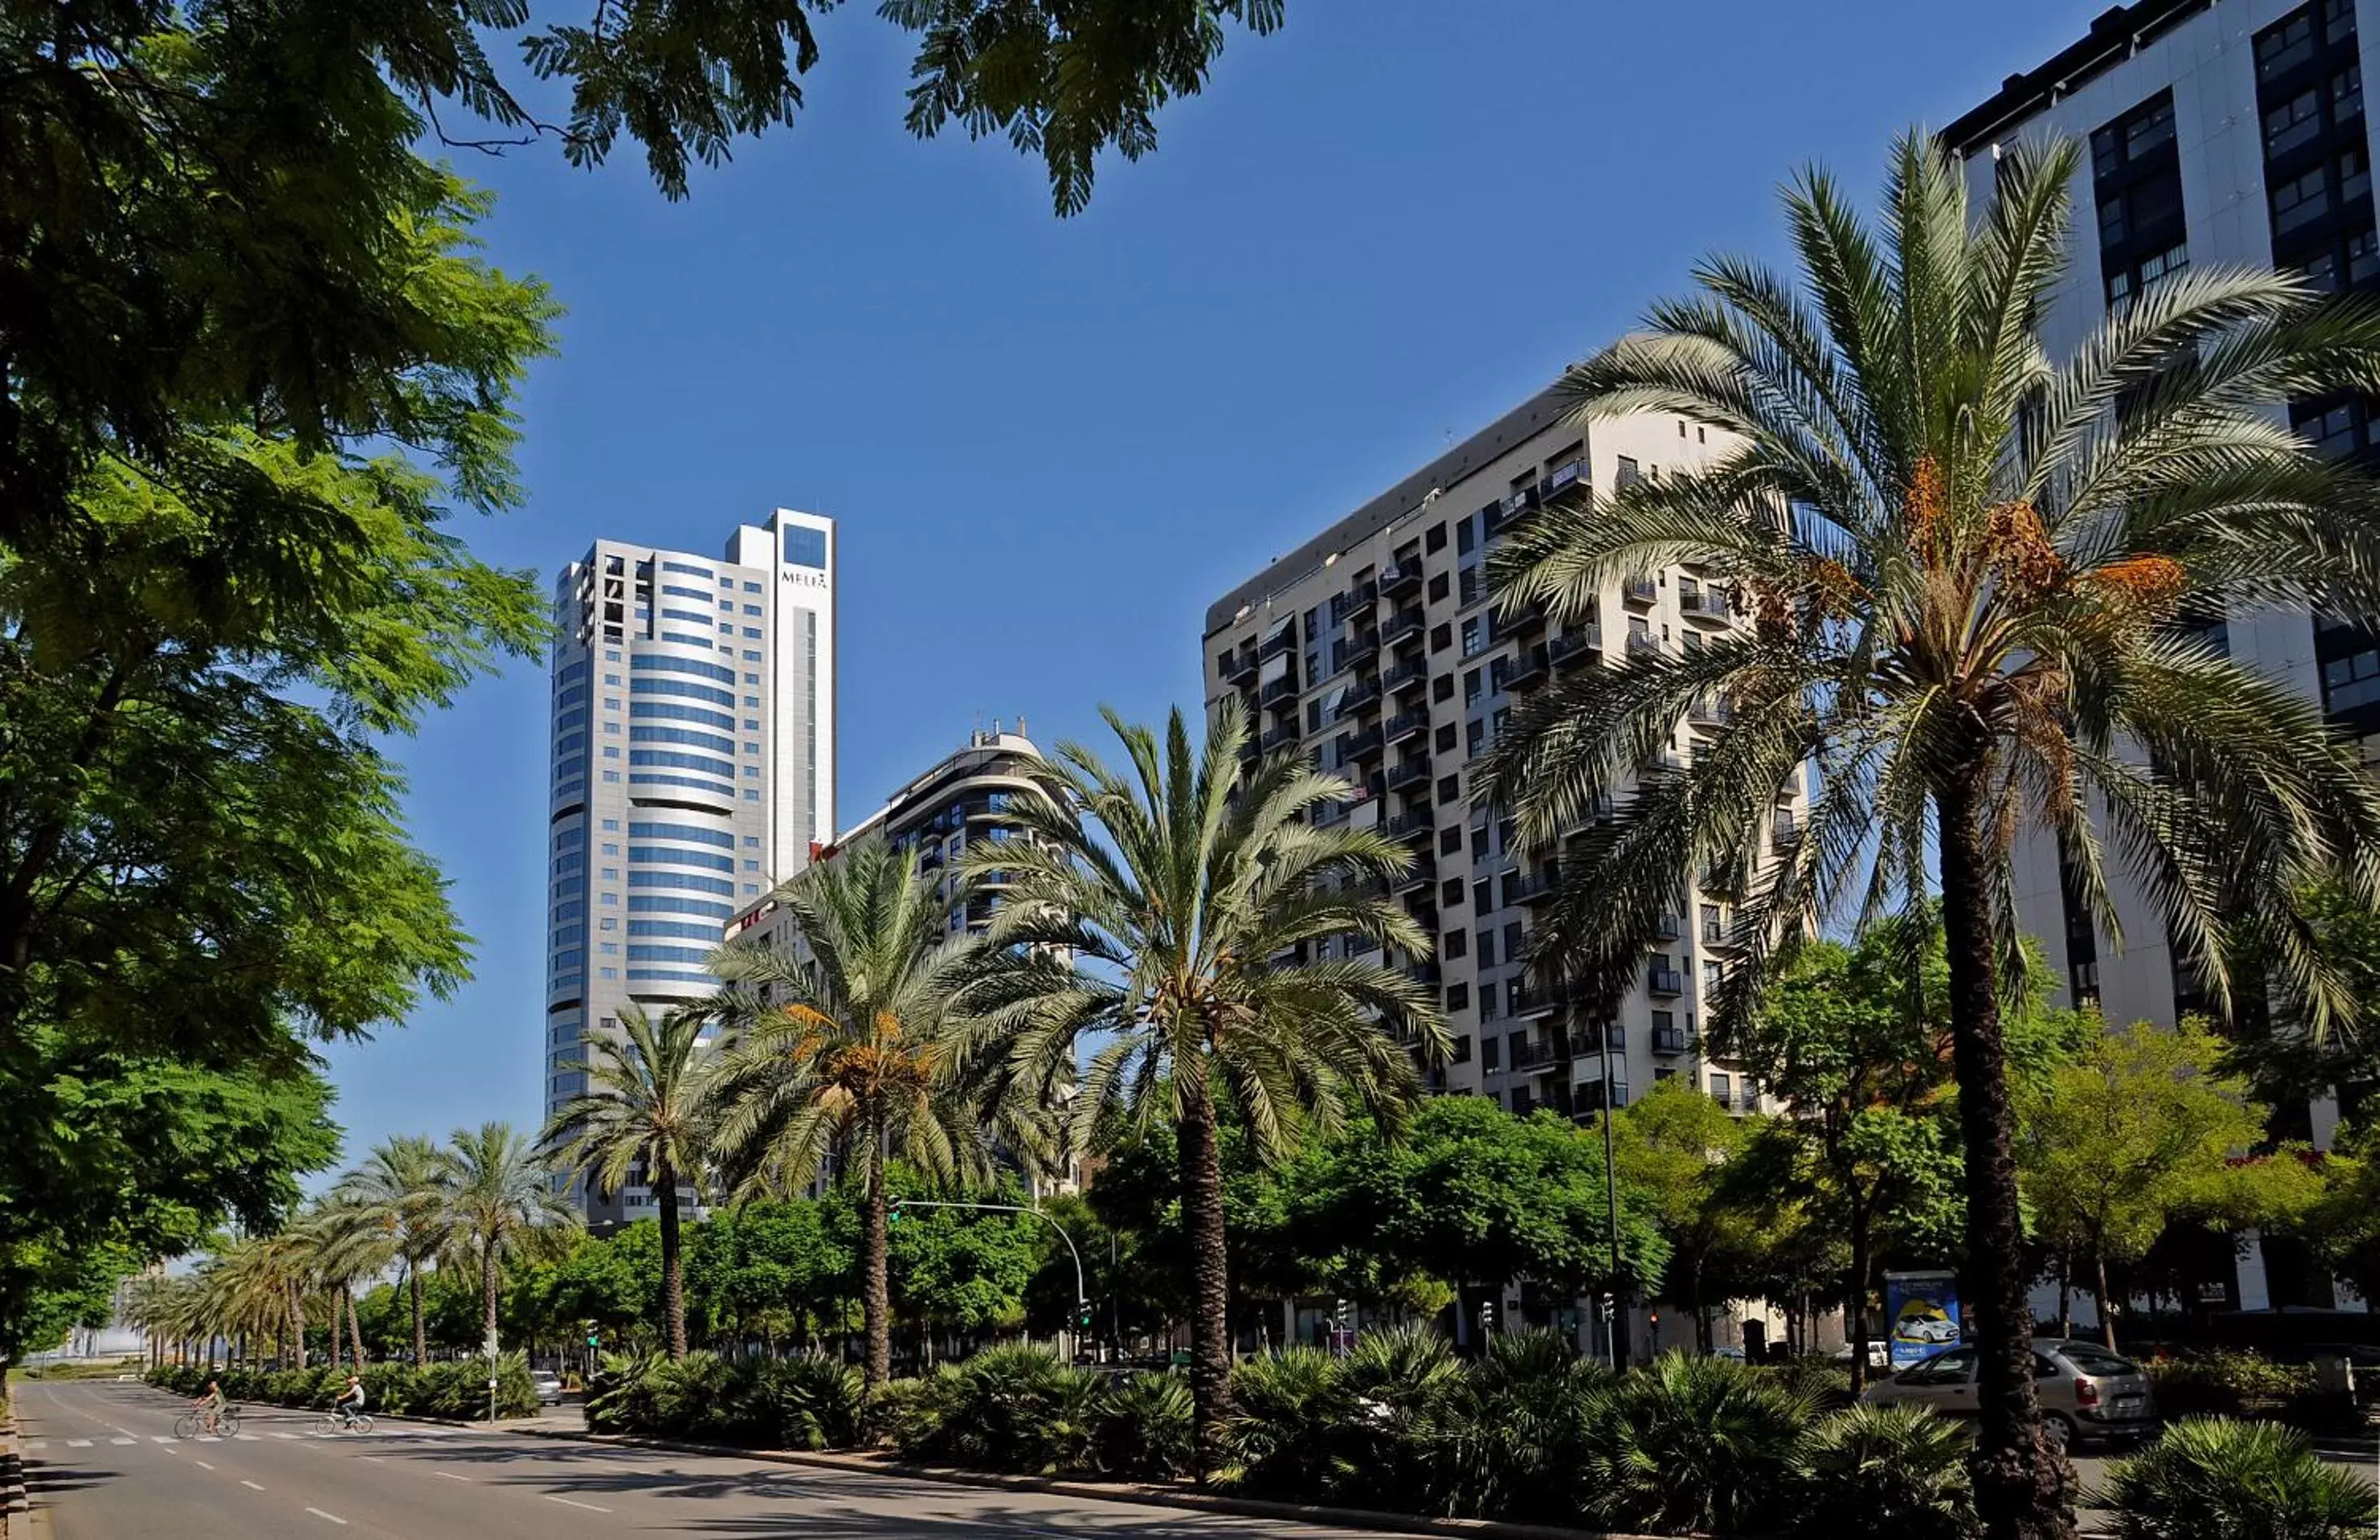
{"points": [[1051, 443]]}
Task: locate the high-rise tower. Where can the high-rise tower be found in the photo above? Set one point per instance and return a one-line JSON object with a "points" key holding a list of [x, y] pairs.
{"points": [[692, 767]]}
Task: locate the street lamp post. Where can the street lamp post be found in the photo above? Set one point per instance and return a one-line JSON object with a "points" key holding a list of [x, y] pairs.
{"points": [[1611, 1201]]}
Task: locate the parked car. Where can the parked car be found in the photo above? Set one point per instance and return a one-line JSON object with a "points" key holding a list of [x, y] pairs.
{"points": [[2087, 1393], [549, 1387]]}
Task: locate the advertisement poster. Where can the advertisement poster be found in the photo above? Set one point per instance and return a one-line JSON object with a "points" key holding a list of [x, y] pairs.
{"points": [[1923, 1310]]}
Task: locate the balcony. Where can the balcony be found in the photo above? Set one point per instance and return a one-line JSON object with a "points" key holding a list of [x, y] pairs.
{"points": [[1710, 711], [1409, 772], [1638, 587], [1536, 887], [1786, 827], [1643, 644], [1356, 648], [1702, 603], [1283, 736], [1539, 999], [1361, 596], [1404, 724], [1423, 972], [1404, 674], [1283, 689], [1530, 670], [1402, 578], [1569, 474], [929, 858], [1668, 983], [1240, 668], [1470, 587], [1359, 746], [1580, 643], [1665, 928], [1405, 826], [1668, 1041], [1362, 693], [1404, 623], [1423, 872], [1280, 641], [1713, 931], [1533, 1058], [1521, 619]]}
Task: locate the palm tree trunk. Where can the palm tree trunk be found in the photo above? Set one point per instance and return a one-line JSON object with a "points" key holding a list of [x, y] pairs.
{"points": [[297, 1325], [488, 1290], [337, 1324], [876, 1297], [2023, 1488], [355, 1331], [2065, 1291], [1202, 1217], [1856, 1303], [420, 1331], [673, 1274], [2106, 1310]]}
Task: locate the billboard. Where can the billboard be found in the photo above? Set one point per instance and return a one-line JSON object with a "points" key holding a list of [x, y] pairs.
{"points": [[1924, 1311]]}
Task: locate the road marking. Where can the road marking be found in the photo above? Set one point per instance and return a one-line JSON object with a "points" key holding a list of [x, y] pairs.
{"points": [[123, 1441], [284, 1436], [35, 1446], [203, 1465], [77, 1443], [332, 1517], [171, 1450], [250, 1437], [567, 1503], [159, 1439], [249, 1485], [452, 1476]]}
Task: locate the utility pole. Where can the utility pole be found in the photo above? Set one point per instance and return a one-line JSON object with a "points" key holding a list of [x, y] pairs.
{"points": [[1611, 1203]]}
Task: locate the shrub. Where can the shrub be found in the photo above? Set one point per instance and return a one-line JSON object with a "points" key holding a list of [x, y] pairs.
{"points": [[1691, 1444], [2221, 1383], [1145, 1428], [1518, 1438], [1898, 1471], [2211, 1478], [814, 1402], [1825, 1383], [1284, 1437], [1006, 1409], [457, 1389]]}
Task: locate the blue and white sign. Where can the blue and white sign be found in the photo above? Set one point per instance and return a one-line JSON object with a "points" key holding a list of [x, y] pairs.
{"points": [[1923, 1310]]}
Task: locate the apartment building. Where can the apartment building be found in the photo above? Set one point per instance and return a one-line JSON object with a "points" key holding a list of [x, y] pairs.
{"points": [[2216, 131], [1374, 650], [692, 767], [961, 802]]}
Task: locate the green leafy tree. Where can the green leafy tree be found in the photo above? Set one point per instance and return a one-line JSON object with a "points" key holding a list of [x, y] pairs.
{"points": [[398, 1185], [647, 1109], [856, 1053], [962, 1268], [2139, 1131], [1673, 1144], [772, 1271], [1963, 565], [1145, 908], [501, 1206]]}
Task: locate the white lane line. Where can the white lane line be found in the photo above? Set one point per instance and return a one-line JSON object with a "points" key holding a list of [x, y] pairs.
{"points": [[123, 1441], [452, 1476], [284, 1436], [567, 1503], [250, 1438], [203, 1465], [35, 1446], [77, 1443], [171, 1450], [249, 1485], [332, 1517], [159, 1439]]}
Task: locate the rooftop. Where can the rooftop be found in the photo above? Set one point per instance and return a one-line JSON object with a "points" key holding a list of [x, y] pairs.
{"points": [[2116, 35]]}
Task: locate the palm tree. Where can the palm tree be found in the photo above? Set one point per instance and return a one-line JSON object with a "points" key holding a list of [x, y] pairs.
{"points": [[854, 1052], [499, 1203], [1978, 583], [249, 1288], [648, 1104], [344, 1243], [399, 1184], [1198, 909]]}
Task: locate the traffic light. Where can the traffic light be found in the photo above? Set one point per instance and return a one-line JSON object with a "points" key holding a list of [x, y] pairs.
{"points": [[1083, 1316], [892, 1214], [594, 1338]]}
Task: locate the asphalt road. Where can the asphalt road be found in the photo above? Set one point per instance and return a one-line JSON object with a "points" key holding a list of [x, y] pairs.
{"points": [[102, 1464]]}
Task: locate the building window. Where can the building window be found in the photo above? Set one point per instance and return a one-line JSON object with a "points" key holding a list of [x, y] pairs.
{"points": [[1457, 943], [1722, 1088], [1441, 637], [1441, 689], [1465, 541], [1450, 895], [1491, 1053], [1487, 947]]}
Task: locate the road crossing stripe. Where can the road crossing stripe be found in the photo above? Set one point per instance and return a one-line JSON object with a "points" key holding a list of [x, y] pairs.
{"points": [[77, 1443], [159, 1439], [284, 1436], [35, 1446], [124, 1440]]}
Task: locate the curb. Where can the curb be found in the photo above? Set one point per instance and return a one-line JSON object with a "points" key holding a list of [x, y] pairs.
{"points": [[12, 1497], [1143, 1496]]}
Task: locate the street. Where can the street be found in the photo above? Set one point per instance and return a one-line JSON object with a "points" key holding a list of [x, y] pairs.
{"points": [[103, 1464]]}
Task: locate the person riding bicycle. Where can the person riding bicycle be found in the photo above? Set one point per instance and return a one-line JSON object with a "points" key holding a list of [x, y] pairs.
{"points": [[212, 1403], [351, 1400]]}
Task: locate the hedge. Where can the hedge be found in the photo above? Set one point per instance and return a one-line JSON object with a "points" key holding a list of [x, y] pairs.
{"points": [[457, 1390]]}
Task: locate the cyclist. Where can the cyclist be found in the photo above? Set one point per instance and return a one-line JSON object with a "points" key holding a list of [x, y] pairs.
{"points": [[350, 1402], [213, 1405]]}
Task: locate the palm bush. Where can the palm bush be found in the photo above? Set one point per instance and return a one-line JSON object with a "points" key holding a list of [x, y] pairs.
{"points": [[814, 1402], [1900, 1471], [2210, 1478], [1691, 1444], [1146, 1428], [1407, 1390], [1006, 1409], [1979, 585], [1520, 1434], [1284, 1439]]}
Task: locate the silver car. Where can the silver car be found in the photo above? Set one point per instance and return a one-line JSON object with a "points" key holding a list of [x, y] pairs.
{"points": [[2087, 1393]]}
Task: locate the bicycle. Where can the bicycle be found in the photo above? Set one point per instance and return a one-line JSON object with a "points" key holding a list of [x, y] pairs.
{"points": [[193, 1425], [330, 1423]]}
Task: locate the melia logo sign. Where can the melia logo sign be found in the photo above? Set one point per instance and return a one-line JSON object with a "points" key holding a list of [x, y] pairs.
{"points": [[801, 578]]}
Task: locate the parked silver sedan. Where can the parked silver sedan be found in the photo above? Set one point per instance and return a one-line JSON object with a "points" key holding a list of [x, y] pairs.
{"points": [[2087, 1393]]}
